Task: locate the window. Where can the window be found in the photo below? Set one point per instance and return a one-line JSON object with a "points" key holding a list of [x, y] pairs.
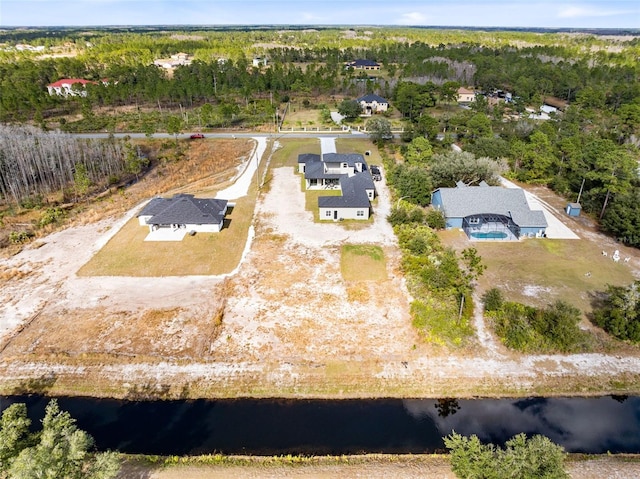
{"points": [[360, 213], [474, 221], [327, 213]]}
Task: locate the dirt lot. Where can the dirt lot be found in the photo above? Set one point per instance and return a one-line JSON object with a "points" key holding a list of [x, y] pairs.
{"points": [[285, 323]]}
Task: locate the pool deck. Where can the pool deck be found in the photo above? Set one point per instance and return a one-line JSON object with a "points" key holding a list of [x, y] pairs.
{"points": [[488, 229]]}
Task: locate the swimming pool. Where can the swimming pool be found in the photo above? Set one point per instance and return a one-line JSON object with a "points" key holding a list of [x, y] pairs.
{"points": [[488, 234]]}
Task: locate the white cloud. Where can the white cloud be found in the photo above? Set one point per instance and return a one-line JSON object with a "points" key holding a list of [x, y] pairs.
{"points": [[413, 18], [581, 12]]}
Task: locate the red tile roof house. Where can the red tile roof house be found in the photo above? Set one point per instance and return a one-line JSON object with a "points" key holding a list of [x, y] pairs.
{"points": [[64, 87], [170, 219]]}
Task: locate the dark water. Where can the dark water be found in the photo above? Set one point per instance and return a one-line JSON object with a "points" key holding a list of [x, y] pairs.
{"points": [[274, 427]]}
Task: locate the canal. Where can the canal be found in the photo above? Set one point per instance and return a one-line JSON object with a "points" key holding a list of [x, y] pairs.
{"points": [[319, 427]]}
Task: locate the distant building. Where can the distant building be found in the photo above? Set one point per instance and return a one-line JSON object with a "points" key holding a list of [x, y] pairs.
{"points": [[465, 95], [174, 61], [362, 64], [259, 62], [371, 104], [65, 87], [21, 47]]}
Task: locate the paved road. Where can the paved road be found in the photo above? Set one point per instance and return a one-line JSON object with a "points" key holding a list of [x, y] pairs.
{"points": [[184, 136]]}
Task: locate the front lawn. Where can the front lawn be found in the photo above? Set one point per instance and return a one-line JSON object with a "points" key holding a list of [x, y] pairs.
{"points": [[127, 254]]}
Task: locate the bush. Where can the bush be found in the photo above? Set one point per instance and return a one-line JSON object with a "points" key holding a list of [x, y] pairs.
{"points": [[528, 329], [19, 237], [522, 458], [436, 220], [493, 300], [619, 313], [50, 215]]}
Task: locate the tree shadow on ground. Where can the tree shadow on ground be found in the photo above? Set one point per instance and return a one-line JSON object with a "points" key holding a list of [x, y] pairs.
{"points": [[39, 385]]}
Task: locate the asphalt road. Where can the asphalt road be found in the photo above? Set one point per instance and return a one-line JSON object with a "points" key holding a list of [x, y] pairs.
{"points": [[183, 136]]}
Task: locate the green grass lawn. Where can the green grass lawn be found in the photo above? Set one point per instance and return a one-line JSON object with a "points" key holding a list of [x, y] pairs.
{"points": [[363, 263], [127, 254], [539, 271], [359, 145], [290, 148]]}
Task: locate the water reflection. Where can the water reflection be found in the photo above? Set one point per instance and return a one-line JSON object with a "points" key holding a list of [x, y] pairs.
{"points": [[271, 426], [592, 425]]}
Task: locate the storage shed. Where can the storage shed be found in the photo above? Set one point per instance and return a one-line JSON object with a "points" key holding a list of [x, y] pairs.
{"points": [[573, 209]]}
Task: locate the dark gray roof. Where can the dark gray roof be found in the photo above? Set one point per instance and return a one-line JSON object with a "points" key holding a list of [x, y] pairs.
{"points": [[477, 200], [184, 209], [354, 194], [315, 170], [350, 158], [308, 157], [371, 98], [360, 62]]}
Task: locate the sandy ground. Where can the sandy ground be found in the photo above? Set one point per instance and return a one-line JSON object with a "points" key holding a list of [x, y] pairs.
{"points": [[398, 467], [291, 325]]}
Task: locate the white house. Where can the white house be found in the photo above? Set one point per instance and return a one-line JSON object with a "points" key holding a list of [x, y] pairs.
{"points": [[363, 64], [345, 172], [182, 214], [466, 96], [259, 62], [371, 104], [65, 87], [174, 61]]}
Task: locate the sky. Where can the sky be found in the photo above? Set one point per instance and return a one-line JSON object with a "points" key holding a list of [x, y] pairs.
{"points": [[480, 13]]}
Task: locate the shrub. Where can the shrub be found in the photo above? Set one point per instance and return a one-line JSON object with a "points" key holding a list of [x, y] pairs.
{"points": [[522, 458], [619, 313], [50, 215], [493, 300], [528, 329], [19, 237], [435, 219]]}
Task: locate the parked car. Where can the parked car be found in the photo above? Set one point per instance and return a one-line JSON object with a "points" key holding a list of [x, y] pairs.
{"points": [[197, 136], [376, 174]]}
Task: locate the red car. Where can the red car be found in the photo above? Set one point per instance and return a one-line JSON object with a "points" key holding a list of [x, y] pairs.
{"points": [[197, 136]]}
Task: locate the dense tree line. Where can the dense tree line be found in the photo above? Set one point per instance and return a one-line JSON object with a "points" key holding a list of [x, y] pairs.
{"points": [[34, 163]]}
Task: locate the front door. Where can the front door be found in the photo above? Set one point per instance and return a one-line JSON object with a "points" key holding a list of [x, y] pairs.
{"points": [[335, 214]]}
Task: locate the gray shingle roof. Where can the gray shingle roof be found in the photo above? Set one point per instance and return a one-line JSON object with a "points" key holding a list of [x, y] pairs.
{"points": [[354, 194], [308, 157], [350, 158], [361, 62], [184, 209], [477, 200], [371, 98]]}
